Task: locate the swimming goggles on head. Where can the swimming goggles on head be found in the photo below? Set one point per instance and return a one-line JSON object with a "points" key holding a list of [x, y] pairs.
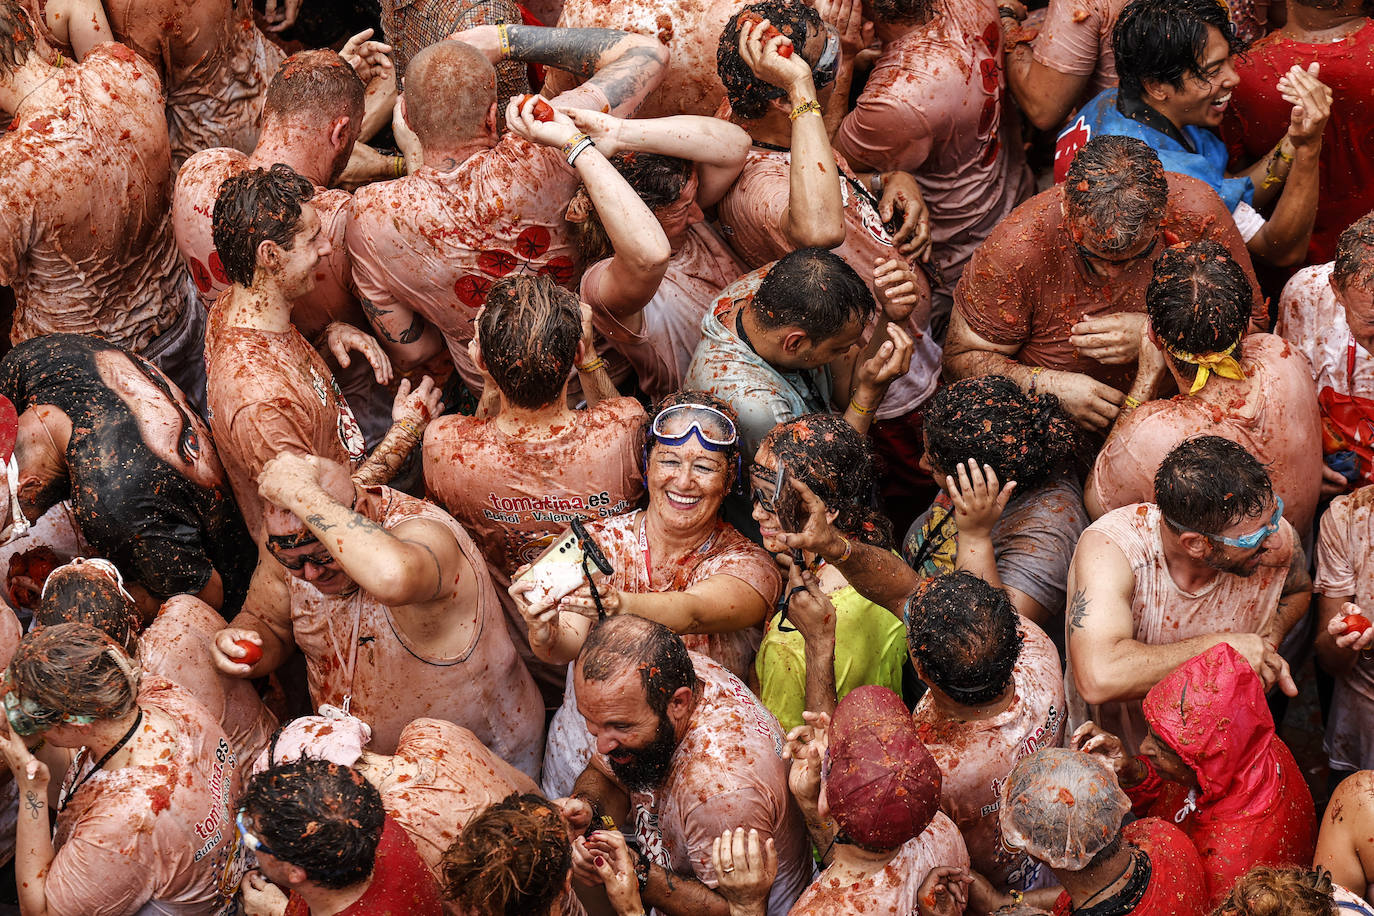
{"points": [[712, 441], [1247, 541]]}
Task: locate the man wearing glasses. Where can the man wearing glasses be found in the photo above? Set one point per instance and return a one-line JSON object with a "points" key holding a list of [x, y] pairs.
{"points": [[390, 602], [1175, 60], [1211, 561], [1055, 298]]}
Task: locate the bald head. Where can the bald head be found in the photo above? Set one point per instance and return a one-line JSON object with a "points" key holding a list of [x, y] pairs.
{"points": [[449, 88]]}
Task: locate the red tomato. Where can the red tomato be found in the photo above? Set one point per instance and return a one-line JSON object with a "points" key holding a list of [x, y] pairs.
{"points": [[252, 652], [543, 111], [1356, 623]]}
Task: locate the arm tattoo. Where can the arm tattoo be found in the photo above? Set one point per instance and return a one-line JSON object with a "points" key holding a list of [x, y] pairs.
{"points": [[315, 520], [628, 76], [438, 570], [363, 522], [1078, 609], [375, 314], [574, 50], [34, 804]]}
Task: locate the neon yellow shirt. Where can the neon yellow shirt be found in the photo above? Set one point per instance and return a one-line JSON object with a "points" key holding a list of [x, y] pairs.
{"points": [[870, 646]]}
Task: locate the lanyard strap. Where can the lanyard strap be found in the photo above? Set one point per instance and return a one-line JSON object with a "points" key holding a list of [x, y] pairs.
{"points": [[99, 764]]}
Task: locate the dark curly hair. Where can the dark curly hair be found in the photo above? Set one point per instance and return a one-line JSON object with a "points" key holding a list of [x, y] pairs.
{"points": [[992, 421], [963, 634], [256, 206], [511, 860], [1198, 300], [836, 462], [319, 816], [749, 96]]}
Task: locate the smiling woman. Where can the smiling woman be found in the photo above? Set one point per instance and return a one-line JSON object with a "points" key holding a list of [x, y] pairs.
{"points": [[675, 561]]}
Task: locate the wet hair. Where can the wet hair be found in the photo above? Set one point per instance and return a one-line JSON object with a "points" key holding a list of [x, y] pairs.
{"points": [[617, 643], [513, 859], [812, 289], [256, 206], [450, 86], [1355, 253], [319, 816], [1192, 490], [1165, 40], [1116, 190], [657, 179], [1268, 891], [1199, 299], [836, 462], [316, 84], [733, 454], [900, 11], [963, 633], [749, 95], [989, 419], [18, 37], [74, 669], [529, 333], [1105, 853], [84, 594]]}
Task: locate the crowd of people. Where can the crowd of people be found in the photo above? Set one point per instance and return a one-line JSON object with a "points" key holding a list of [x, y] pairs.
{"points": [[704, 458]]}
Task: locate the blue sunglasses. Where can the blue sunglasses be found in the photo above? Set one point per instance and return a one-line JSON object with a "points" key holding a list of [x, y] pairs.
{"points": [[1248, 541]]}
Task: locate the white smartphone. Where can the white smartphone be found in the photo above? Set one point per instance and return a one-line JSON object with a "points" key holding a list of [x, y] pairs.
{"points": [[557, 571]]}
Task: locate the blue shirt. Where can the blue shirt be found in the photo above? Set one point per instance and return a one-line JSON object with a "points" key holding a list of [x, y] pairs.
{"points": [[1205, 161]]}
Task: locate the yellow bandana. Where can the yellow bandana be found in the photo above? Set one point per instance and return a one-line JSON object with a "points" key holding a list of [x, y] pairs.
{"points": [[1222, 363]]}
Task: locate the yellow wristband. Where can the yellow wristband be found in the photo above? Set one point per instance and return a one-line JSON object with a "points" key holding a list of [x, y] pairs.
{"points": [[860, 409], [1282, 155], [805, 108], [598, 363], [503, 37], [1131, 403], [848, 549], [399, 164]]}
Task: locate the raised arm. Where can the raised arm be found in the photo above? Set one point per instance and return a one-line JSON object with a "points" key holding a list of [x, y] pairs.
{"points": [[624, 66], [815, 215], [718, 147], [417, 561], [630, 278], [410, 414], [1292, 174]]}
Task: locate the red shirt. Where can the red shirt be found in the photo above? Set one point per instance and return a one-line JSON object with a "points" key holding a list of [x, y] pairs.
{"points": [[1176, 885], [401, 884], [1257, 118]]}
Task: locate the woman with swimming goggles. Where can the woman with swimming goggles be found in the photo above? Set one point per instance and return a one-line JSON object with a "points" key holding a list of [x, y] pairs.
{"points": [[675, 560]]}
